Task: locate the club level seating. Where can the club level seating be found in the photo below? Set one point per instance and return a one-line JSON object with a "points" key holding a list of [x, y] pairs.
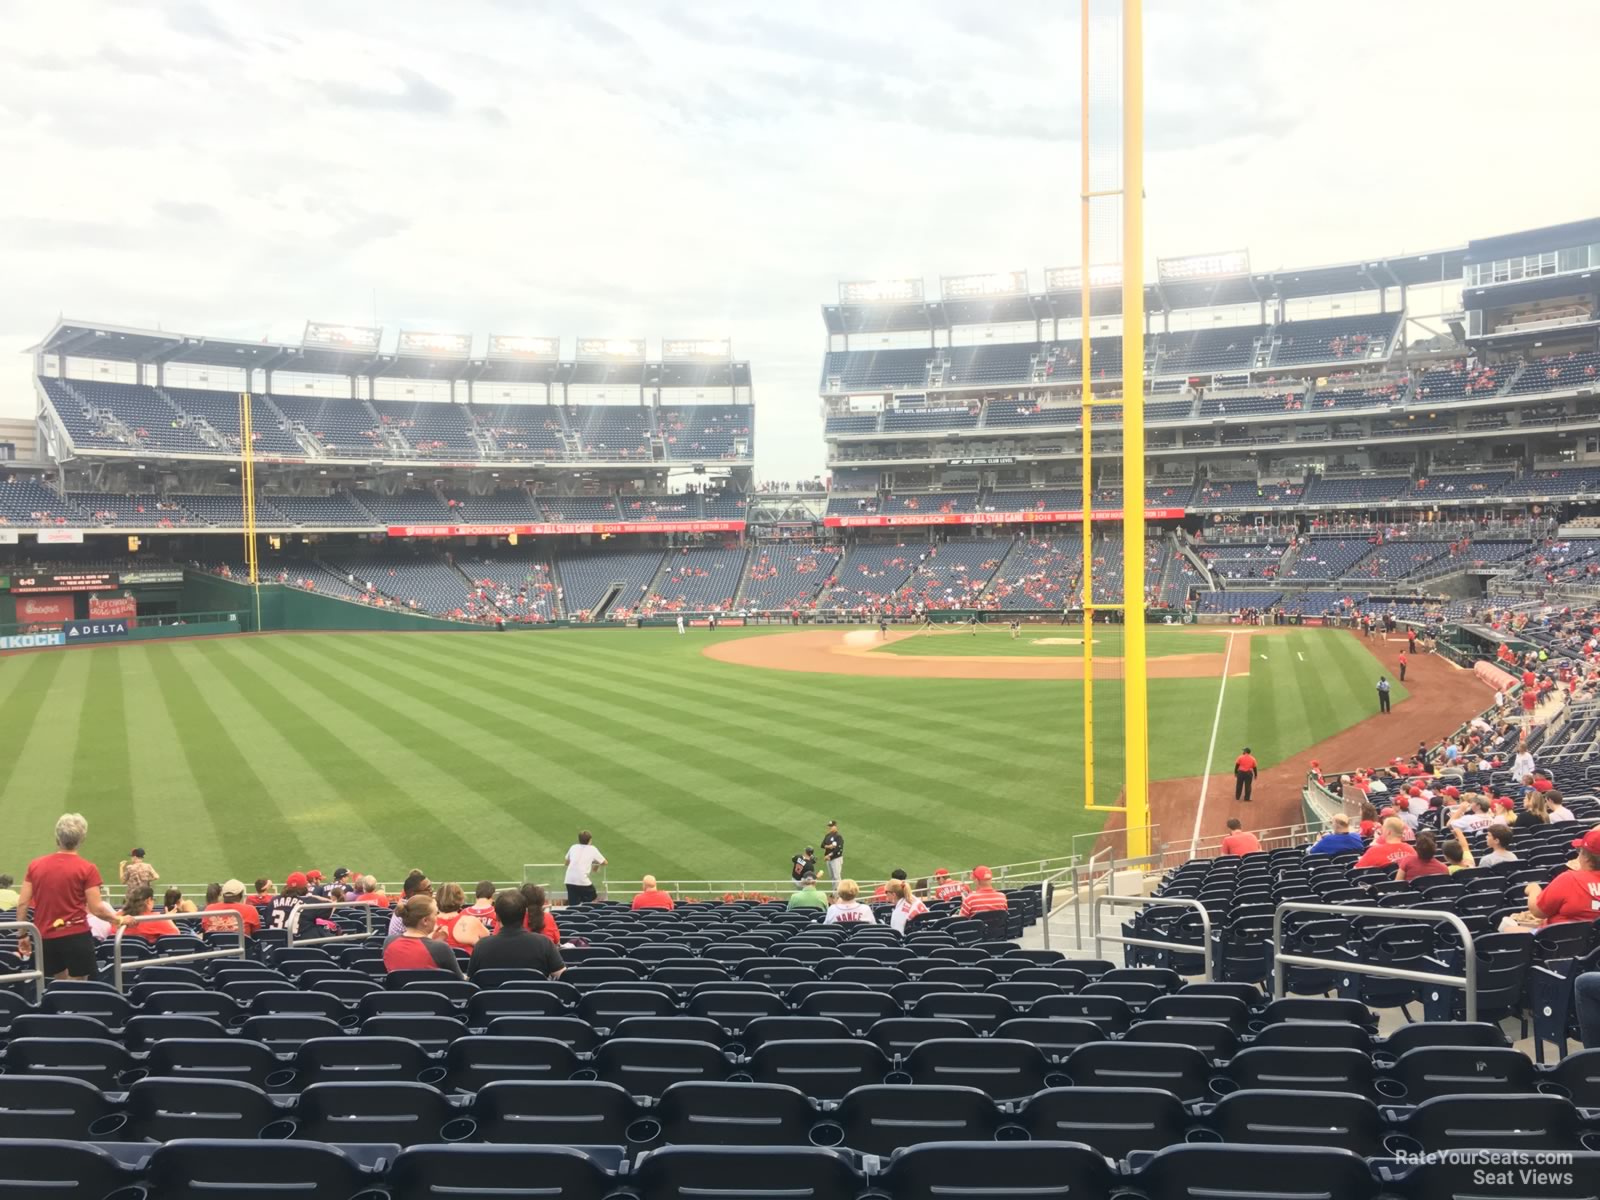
{"points": [[1024, 412], [432, 429], [1243, 562], [932, 503], [1461, 486], [683, 506], [1457, 381], [520, 585], [407, 508], [1045, 499], [508, 506], [343, 428], [220, 410], [1213, 407], [786, 578], [625, 376], [524, 430], [335, 510], [1203, 351], [1156, 495], [694, 375], [696, 581], [29, 502], [1349, 491], [1229, 602], [579, 508], [588, 578], [727, 507], [708, 431], [1559, 373], [851, 423], [1398, 559], [871, 575], [612, 431], [227, 511], [1561, 481], [1234, 493]]}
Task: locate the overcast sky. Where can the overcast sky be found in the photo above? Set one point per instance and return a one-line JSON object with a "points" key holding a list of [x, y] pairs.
{"points": [[704, 169]]}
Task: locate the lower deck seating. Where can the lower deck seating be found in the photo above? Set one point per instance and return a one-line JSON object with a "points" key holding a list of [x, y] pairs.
{"points": [[787, 578]]}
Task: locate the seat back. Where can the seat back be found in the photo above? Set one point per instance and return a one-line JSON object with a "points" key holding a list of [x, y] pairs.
{"points": [[823, 1070], [1001, 1068]]}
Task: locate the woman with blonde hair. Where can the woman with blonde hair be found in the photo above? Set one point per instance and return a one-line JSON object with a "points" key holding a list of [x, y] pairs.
{"points": [[846, 909], [461, 929], [907, 906]]}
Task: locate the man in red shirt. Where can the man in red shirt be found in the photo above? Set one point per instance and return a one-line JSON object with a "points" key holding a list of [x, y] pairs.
{"points": [[63, 889], [232, 901], [1244, 775], [1402, 666], [1573, 895], [1239, 842], [983, 897], [651, 896], [945, 888], [1388, 850]]}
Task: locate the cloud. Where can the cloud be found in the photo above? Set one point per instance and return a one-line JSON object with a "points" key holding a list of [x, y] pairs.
{"points": [[199, 21], [417, 94]]}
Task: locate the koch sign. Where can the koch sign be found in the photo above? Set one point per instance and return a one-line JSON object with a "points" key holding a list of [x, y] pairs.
{"points": [[95, 631], [32, 641]]}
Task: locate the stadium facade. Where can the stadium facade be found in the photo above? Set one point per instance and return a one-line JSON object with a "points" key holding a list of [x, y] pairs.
{"points": [[1425, 419]]}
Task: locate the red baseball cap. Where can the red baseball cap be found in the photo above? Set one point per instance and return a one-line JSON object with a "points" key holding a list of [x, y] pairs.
{"points": [[298, 879], [1453, 792], [982, 874], [1388, 812], [941, 873], [1589, 841], [314, 876]]}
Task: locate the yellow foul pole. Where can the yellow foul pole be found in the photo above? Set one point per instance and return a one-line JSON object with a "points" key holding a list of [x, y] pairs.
{"points": [[1136, 742], [247, 473], [1088, 483]]}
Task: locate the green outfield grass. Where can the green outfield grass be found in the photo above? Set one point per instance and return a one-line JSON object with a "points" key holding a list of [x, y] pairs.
{"points": [[471, 754], [1052, 641]]}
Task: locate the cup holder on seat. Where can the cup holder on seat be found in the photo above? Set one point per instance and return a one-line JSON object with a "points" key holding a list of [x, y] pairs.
{"points": [[1201, 1135], [276, 1081], [643, 1132], [458, 1129], [827, 1134], [280, 1130], [1388, 1088], [433, 1075], [897, 1077], [1402, 1145], [107, 1127], [1221, 1085], [1012, 1133]]}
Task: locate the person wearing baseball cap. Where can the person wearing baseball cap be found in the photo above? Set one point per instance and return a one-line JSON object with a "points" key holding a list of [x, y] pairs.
{"points": [[946, 888], [314, 882], [983, 897], [231, 900], [801, 865], [1573, 895], [286, 907], [833, 852]]}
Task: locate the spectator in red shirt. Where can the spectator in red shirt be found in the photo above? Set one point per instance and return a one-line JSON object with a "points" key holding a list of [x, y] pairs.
{"points": [[1239, 842], [983, 897], [1573, 895], [1425, 860], [651, 896], [139, 902], [63, 889], [421, 944], [263, 893], [538, 919], [231, 900], [946, 888], [1389, 849]]}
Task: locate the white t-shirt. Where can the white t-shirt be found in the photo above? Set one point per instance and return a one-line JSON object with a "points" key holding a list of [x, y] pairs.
{"points": [[581, 860], [1522, 765], [852, 913], [904, 910]]}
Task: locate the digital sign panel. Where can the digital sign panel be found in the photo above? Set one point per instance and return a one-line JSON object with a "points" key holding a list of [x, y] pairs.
{"points": [[517, 345], [720, 349], [1203, 266], [626, 348], [977, 287], [881, 291], [82, 581], [328, 336], [1070, 279], [446, 345]]}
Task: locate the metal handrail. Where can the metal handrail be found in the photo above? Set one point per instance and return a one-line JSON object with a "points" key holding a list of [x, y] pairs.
{"points": [[34, 940], [333, 937], [1150, 943], [1467, 980], [119, 968]]}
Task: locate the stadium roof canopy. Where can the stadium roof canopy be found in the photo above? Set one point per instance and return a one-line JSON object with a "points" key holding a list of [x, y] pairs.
{"points": [[1409, 270], [418, 356]]}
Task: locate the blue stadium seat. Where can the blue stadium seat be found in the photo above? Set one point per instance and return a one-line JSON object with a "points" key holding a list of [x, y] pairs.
{"points": [[405, 1114], [41, 1107], [35, 1168], [734, 1114], [435, 1172], [823, 1070], [205, 1168], [925, 1172], [162, 1110], [475, 1061]]}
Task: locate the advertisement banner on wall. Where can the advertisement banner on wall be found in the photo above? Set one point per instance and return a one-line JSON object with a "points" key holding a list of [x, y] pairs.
{"points": [[32, 641], [8, 537], [113, 606], [40, 612], [60, 537], [94, 631]]}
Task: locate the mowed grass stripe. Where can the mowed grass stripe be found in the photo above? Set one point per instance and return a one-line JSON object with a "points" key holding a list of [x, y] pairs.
{"points": [[248, 807], [27, 679], [1323, 691], [857, 698], [176, 821], [738, 713], [98, 777], [931, 796], [333, 788], [656, 778], [543, 814], [443, 794], [37, 790], [835, 782]]}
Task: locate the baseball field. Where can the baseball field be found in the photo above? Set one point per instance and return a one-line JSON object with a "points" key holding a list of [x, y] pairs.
{"points": [[471, 755]]}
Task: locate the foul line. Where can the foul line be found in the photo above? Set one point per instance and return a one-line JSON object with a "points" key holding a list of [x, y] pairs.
{"points": [[1216, 723]]}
